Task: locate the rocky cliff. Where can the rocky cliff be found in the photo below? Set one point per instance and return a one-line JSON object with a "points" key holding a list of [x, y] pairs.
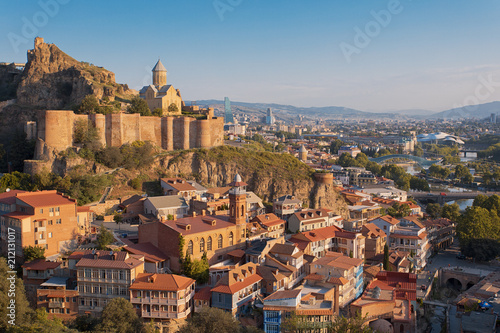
{"points": [[268, 175], [54, 80]]}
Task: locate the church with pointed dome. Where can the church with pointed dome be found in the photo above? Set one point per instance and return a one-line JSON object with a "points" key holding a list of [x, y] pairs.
{"points": [[161, 95]]}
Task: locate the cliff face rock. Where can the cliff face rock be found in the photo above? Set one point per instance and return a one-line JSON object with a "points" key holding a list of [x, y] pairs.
{"points": [[54, 80], [266, 183]]}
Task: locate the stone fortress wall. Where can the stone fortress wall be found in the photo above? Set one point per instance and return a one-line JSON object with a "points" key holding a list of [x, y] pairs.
{"points": [[170, 133], [55, 133]]}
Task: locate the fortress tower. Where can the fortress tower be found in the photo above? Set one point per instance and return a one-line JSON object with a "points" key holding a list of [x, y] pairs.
{"points": [[159, 75]]}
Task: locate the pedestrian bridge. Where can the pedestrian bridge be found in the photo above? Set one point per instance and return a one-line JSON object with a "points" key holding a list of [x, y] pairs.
{"points": [[421, 161]]}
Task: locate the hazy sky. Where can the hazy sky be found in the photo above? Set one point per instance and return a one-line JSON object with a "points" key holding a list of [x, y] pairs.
{"points": [[364, 54]]}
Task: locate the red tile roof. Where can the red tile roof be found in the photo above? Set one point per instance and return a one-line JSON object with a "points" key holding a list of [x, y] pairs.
{"points": [[314, 277], [150, 252], [283, 294], [45, 198], [41, 265], [199, 223], [203, 294], [389, 219], [154, 281], [312, 214], [235, 287], [9, 198], [179, 184], [105, 260]]}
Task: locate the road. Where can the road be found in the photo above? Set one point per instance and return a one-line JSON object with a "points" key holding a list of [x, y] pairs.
{"points": [[121, 228], [449, 257]]}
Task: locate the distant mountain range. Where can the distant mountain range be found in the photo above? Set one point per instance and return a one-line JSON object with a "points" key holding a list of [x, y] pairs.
{"points": [[479, 111]]}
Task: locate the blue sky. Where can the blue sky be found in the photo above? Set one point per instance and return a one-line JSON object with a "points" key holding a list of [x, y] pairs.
{"points": [[426, 54]]}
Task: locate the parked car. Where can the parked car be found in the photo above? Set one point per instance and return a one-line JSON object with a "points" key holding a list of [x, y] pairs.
{"points": [[461, 256]]}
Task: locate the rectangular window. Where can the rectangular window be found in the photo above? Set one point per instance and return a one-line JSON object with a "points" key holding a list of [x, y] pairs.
{"points": [[41, 210], [50, 235], [58, 221], [57, 211], [50, 222], [51, 211]]}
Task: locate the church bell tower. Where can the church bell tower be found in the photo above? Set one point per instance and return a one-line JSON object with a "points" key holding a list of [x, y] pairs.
{"points": [[159, 75], [238, 201]]}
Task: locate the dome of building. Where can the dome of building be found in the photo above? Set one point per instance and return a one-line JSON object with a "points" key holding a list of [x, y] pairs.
{"points": [[382, 326], [159, 67], [237, 178]]}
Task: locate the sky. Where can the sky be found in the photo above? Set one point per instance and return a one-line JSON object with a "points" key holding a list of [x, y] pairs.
{"points": [[369, 55]]}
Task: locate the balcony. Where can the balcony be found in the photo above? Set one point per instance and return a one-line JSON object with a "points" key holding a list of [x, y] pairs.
{"points": [[40, 229], [157, 300], [53, 305]]}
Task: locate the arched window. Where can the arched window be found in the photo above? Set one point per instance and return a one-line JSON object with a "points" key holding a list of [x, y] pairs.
{"points": [[219, 242], [230, 238], [242, 209], [190, 247], [209, 243], [202, 245]]}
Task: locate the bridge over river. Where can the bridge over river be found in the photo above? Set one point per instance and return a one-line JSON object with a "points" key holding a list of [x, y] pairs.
{"points": [[441, 197], [425, 163]]}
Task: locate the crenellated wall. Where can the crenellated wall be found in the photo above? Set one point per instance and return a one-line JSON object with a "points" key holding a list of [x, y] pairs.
{"points": [[55, 129]]}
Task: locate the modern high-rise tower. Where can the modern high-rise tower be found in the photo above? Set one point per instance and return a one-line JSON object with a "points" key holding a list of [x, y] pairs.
{"points": [[228, 114]]}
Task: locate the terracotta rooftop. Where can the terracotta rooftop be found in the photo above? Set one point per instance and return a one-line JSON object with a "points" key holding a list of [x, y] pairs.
{"points": [[130, 200], [268, 219], [312, 214], [236, 280], [370, 230], [150, 252], [41, 265], [287, 249], [9, 197], [199, 223], [179, 184], [108, 259], [389, 219], [154, 281], [283, 294], [203, 294], [45, 198], [338, 260]]}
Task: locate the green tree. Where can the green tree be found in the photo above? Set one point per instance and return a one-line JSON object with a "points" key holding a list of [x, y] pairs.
{"points": [[84, 323], [136, 183], [33, 252], [433, 209], [374, 167], [158, 112], [22, 309], [463, 173], [335, 146], [362, 159], [89, 105], [477, 224], [211, 320], [351, 325], [438, 171], [419, 184], [386, 257], [139, 105], [451, 212], [482, 249], [399, 210], [104, 238], [172, 108], [119, 316]]}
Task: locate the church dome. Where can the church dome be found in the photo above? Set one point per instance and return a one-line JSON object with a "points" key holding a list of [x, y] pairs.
{"points": [[382, 326], [237, 178], [159, 67]]}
